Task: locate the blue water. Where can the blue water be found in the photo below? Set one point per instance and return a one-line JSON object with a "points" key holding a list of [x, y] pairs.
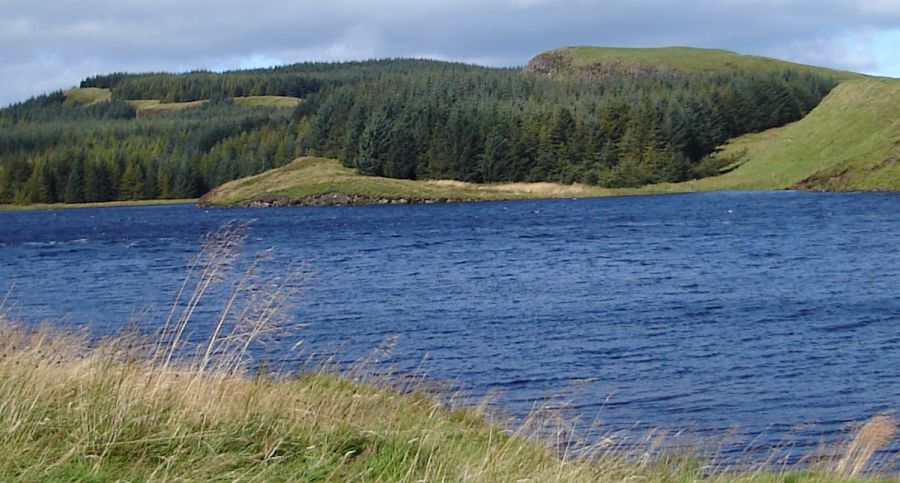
{"points": [[772, 315]]}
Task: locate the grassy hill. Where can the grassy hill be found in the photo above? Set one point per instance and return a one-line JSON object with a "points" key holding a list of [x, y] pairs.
{"points": [[86, 96], [622, 121], [850, 142], [594, 61]]}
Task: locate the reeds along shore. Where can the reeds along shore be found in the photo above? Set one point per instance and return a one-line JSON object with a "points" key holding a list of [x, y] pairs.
{"points": [[136, 407]]}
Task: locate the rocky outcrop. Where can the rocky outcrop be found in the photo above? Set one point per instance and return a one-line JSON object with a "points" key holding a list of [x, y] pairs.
{"points": [[550, 63], [340, 199], [559, 62]]}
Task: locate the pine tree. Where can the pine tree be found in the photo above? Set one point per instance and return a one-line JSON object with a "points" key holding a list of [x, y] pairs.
{"points": [[39, 187], [372, 145], [75, 182], [131, 186]]}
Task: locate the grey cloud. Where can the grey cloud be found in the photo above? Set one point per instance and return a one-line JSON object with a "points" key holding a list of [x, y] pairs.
{"points": [[52, 44]]}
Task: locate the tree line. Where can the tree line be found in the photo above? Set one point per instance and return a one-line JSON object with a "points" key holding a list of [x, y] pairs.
{"points": [[181, 155], [399, 118], [504, 126]]}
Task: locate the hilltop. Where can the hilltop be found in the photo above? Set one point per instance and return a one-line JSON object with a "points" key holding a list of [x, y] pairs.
{"points": [[849, 142], [593, 62]]}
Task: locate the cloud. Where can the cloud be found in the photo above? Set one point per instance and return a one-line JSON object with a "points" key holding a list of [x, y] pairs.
{"points": [[52, 44]]}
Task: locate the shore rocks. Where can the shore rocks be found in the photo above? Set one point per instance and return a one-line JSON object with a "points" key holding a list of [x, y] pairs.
{"points": [[340, 199]]}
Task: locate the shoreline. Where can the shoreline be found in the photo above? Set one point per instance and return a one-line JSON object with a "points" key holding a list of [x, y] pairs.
{"points": [[100, 204]]}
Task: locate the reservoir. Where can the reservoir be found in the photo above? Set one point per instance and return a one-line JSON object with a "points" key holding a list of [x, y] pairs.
{"points": [[772, 317]]}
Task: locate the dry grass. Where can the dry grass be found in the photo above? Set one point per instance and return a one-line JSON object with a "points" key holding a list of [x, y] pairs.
{"points": [[268, 101], [133, 407], [85, 96], [309, 176], [875, 434], [152, 108]]}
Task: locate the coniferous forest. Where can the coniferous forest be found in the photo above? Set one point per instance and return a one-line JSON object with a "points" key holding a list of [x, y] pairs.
{"points": [[412, 119]]}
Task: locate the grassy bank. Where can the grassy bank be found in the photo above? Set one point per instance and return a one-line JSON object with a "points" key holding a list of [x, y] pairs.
{"points": [[313, 176], [85, 96], [114, 411], [104, 204]]}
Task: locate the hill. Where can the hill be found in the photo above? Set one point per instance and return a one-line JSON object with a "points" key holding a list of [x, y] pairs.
{"points": [[850, 142], [609, 120], [593, 62]]}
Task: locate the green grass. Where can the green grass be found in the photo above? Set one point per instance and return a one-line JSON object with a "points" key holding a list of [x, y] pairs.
{"points": [[143, 103], [686, 59], [149, 107], [85, 96], [267, 101], [153, 106], [72, 412], [104, 204], [312, 176]]}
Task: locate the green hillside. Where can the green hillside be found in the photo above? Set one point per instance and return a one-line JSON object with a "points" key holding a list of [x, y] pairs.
{"points": [[850, 142], [601, 120], [594, 61], [85, 96]]}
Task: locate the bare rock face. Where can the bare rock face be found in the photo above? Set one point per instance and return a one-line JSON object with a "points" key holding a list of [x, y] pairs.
{"points": [[550, 63]]}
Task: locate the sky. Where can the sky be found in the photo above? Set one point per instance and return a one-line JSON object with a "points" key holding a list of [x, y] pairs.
{"points": [[52, 44]]}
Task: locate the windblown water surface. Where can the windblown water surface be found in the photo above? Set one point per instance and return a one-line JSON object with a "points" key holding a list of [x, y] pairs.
{"points": [[773, 314]]}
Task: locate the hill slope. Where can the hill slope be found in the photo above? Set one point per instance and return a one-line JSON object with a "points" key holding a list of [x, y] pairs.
{"points": [[639, 120], [850, 142], [593, 62]]}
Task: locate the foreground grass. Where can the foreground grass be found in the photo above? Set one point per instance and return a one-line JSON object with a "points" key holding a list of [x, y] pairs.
{"points": [[72, 411], [102, 204]]}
